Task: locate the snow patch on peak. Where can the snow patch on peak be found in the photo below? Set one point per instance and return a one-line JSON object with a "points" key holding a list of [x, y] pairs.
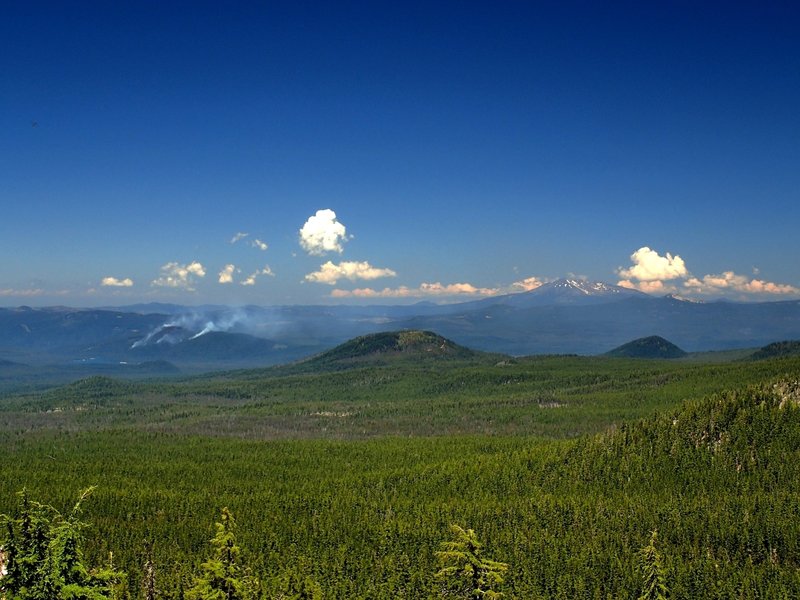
{"points": [[585, 287]]}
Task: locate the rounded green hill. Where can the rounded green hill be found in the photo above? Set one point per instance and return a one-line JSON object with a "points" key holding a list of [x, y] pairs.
{"points": [[647, 347], [409, 344]]}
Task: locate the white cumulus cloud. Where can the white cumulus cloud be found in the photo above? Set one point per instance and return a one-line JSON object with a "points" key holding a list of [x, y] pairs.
{"points": [[649, 265], [322, 233], [226, 274], [256, 243], [330, 273], [655, 274], [526, 285], [114, 282], [176, 275], [238, 236], [728, 281]]}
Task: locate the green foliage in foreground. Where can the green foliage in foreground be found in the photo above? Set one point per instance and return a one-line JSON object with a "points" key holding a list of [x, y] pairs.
{"points": [[44, 560]]}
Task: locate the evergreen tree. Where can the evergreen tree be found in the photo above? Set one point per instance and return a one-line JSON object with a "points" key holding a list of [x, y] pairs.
{"points": [[45, 561], [466, 572], [221, 576], [654, 585]]}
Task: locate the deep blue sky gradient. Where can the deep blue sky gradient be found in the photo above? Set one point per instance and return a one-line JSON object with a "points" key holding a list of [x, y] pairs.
{"points": [[457, 141]]}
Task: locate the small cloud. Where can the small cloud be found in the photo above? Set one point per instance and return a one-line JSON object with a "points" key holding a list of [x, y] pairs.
{"points": [[226, 274], [322, 233], [175, 275], [239, 236], [648, 265], [424, 290], [330, 273], [114, 282], [527, 284], [256, 243], [252, 279]]}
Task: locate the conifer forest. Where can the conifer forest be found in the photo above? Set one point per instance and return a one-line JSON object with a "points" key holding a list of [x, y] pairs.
{"points": [[465, 476]]}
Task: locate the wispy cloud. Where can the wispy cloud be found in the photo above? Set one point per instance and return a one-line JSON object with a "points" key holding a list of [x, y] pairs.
{"points": [[238, 236], [256, 243], [330, 273], [251, 280], [226, 274], [114, 282], [180, 276], [322, 233], [27, 293], [436, 289]]}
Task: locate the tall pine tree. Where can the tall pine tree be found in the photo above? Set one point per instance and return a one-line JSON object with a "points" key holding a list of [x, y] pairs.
{"points": [[222, 577]]}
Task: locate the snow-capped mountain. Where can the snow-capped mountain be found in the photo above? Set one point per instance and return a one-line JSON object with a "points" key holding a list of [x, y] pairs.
{"points": [[567, 291], [581, 288]]}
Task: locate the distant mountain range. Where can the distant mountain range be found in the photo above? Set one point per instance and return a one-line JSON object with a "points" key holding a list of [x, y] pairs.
{"points": [[564, 316]]}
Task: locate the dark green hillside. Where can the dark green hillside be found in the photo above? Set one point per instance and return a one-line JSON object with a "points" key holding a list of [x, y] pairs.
{"points": [[777, 350], [648, 347], [410, 345], [96, 386]]}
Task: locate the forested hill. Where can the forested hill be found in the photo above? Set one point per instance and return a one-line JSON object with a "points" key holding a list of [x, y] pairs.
{"points": [[718, 479], [409, 346], [777, 349], [648, 347]]}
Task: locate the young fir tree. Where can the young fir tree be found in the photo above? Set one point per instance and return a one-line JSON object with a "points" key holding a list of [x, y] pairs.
{"points": [[466, 572], [221, 576], [44, 559], [654, 585]]}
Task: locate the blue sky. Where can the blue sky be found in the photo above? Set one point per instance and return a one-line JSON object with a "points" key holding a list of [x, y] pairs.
{"points": [[466, 149]]}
